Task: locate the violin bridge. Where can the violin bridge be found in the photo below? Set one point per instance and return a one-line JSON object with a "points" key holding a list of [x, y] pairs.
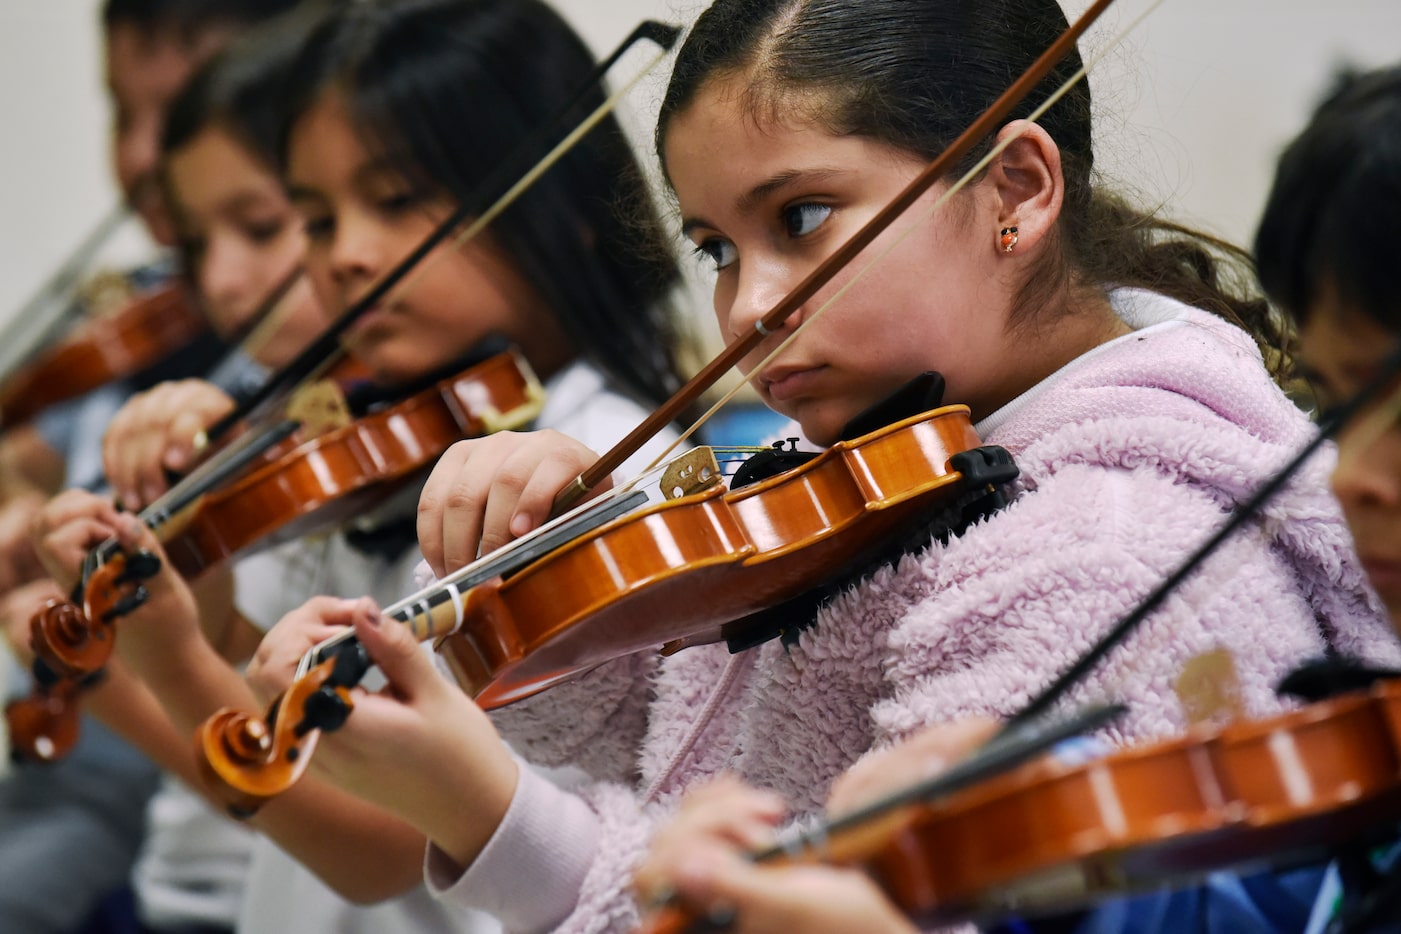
{"points": [[320, 407], [693, 472], [107, 291], [1209, 689]]}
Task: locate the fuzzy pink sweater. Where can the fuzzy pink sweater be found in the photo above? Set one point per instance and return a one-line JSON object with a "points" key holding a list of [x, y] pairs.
{"points": [[1130, 456]]}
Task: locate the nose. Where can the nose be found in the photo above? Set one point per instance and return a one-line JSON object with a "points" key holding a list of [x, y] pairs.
{"points": [[225, 282], [1368, 474], [356, 253], [135, 153], [761, 286]]}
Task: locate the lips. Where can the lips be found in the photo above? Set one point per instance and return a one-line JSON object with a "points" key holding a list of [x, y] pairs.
{"points": [[1384, 573], [790, 382]]}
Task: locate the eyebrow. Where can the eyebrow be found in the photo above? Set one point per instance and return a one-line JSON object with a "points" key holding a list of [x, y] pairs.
{"points": [[751, 199]]}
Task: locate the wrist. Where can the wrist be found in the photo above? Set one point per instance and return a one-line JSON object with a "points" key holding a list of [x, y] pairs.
{"points": [[463, 833]]}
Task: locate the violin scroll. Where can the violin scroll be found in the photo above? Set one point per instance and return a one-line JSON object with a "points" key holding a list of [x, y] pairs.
{"points": [[75, 642], [246, 760], [44, 726]]}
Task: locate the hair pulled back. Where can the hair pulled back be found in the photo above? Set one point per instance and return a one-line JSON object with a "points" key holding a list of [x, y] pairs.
{"points": [[1322, 226], [913, 74], [444, 90]]}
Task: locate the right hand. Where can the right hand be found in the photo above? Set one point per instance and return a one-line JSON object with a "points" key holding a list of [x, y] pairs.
{"points": [[157, 431], [702, 856], [485, 492]]}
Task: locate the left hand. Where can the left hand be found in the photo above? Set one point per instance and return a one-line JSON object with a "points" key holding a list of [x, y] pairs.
{"points": [[420, 748], [924, 755], [18, 607]]}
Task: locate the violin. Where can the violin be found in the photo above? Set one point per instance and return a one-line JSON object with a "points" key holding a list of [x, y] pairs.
{"points": [[327, 480], [1051, 836], [44, 726], [314, 485], [696, 568], [105, 348], [317, 484]]}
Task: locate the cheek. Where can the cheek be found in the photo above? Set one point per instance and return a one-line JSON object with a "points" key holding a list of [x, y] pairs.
{"points": [[722, 299], [323, 286], [283, 252]]}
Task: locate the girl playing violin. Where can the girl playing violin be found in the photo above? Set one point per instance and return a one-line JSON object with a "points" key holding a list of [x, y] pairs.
{"points": [[1330, 267], [1097, 344], [394, 113]]}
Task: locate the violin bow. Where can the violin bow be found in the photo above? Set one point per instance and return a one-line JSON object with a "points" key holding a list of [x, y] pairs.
{"points": [[1328, 428], [497, 193], [28, 329]]}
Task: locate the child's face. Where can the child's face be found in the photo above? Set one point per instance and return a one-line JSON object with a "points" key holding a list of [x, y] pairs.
{"points": [[243, 238], [145, 69], [361, 218], [769, 201], [1343, 350]]}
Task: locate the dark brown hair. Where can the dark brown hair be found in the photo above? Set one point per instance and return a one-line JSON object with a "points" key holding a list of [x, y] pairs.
{"points": [[1327, 221], [912, 74]]}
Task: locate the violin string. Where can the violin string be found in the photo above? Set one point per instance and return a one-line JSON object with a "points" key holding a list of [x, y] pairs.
{"points": [[921, 219], [453, 583], [313, 358]]}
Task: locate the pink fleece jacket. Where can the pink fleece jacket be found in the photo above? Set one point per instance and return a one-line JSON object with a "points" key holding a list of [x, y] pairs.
{"points": [[1130, 456]]}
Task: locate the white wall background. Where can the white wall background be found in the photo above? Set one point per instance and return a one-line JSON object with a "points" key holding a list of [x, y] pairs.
{"points": [[1193, 108]]}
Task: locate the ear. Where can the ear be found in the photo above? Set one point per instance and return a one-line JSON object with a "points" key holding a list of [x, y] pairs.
{"points": [[1027, 181]]}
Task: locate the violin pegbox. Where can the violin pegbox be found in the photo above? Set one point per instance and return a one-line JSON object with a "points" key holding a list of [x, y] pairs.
{"points": [[693, 472]]}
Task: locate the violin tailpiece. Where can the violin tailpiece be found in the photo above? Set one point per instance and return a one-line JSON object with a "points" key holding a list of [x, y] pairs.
{"points": [[987, 470]]}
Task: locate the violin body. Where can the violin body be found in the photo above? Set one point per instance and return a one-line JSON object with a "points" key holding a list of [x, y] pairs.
{"points": [[1049, 836], [1052, 836], [105, 348], [689, 568], [327, 480], [43, 726]]}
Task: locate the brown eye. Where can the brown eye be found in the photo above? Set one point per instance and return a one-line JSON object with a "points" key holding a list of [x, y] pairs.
{"points": [[802, 219]]}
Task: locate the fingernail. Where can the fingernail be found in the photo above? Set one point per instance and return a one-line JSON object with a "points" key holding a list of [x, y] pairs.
{"points": [[521, 524], [370, 612]]}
